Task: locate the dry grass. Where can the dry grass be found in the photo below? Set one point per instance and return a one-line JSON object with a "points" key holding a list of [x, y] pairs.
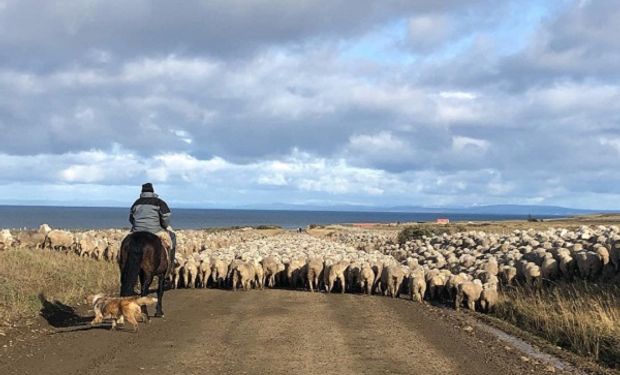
{"points": [[64, 277], [582, 317]]}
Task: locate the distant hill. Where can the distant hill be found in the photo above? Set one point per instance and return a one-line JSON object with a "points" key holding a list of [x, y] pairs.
{"points": [[510, 209], [506, 209]]}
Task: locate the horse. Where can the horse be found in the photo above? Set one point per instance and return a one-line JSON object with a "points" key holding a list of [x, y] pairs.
{"points": [[143, 255]]}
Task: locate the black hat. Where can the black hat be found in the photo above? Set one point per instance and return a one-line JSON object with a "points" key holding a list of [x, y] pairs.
{"points": [[147, 188]]}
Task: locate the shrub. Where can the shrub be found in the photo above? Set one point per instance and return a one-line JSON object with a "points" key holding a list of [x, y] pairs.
{"points": [[413, 233], [266, 227]]}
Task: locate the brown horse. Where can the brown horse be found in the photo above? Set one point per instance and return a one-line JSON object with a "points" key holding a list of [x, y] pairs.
{"points": [[143, 255]]}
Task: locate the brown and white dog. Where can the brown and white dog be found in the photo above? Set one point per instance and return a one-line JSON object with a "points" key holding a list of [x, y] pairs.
{"points": [[119, 308]]}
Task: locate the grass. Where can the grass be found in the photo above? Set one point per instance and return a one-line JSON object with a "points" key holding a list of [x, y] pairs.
{"points": [[581, 317], [24, 274]]}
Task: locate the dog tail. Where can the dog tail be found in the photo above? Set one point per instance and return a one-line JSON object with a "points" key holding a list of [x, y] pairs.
{"points": [[145, 301], [131, 268]]}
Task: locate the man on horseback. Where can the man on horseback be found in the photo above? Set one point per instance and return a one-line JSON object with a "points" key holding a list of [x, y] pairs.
{"points": [[151, 214]]}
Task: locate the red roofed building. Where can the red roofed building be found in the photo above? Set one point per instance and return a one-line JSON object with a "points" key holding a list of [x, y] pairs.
{"points": [[443, 220]]}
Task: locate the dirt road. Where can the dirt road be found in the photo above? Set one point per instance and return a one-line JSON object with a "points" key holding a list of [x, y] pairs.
{"points": [[275, 332]]}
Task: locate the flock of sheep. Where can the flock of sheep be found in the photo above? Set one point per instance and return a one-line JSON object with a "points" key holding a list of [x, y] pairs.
{"points": [[287, 260], [105, 244], [464, 269], [471, 266]]}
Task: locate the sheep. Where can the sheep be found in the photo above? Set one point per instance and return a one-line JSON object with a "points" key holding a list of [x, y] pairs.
{"points": [[468, 292], [90, 245], [507, 275], [589, 264], [614, 256], [377, 268], [29, 238], [219, 269], [488, 297], [204, 270], [272, 268], [392, 278], [243, 273], [436, 286], [295, 272], [175, 275], [6, 239], [453, 282], [59, 240], [549, 268], [333, 273], [532, 274], [259, 274], [314, 270], [367, 278], [603, 255], [190, 271], [491, 266], [567, 266], [417, 287], [353, 275]]}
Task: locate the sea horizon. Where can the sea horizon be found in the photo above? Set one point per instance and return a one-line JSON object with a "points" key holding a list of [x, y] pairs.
{"points": [[91, 217]]}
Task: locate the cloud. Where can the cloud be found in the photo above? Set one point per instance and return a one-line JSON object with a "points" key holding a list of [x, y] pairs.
{"points": [[428, 32], [439, 103], [109, 30]]}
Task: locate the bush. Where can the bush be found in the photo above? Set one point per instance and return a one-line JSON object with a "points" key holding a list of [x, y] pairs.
{"points": [[413, 233], [266, 227]]}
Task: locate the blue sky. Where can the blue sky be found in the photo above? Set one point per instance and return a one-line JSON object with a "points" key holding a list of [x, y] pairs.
{"points": [[233, 103]]}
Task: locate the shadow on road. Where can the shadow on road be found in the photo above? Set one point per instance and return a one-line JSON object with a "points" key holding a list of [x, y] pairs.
{"points": [[59, 315]]}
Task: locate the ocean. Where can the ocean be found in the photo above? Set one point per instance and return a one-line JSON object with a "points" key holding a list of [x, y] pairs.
{"points": [[111, 217]]}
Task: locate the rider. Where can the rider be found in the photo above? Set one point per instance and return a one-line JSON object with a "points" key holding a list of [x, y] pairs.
{"points": [[151, 214]]}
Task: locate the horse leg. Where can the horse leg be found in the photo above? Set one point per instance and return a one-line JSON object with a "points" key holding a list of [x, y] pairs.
{"points": [[159, 311], [142, 280], [148, 278]]}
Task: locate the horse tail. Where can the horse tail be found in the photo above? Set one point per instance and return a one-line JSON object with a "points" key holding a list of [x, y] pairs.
{"points": [[131, 269]]}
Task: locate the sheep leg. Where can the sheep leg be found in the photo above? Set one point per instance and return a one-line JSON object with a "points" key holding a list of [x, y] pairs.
{"points": [[213, 278], [458, 301], [471, 305], [343, 284]]}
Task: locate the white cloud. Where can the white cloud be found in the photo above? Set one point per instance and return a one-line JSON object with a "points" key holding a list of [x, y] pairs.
{"points": [[430, 31], [460, 143], [462, 95]]}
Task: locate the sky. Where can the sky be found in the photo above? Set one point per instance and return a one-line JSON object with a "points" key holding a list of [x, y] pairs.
{"points": [[230, 103]]}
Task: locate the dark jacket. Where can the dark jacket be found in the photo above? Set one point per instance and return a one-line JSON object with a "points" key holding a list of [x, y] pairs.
{"points": [[149, 213]]}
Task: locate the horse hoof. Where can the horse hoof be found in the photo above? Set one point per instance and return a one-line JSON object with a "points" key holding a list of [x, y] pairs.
{"points": [[159, 315]]}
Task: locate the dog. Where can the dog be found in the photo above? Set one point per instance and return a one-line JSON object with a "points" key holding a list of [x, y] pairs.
{"points": [[119, 308]]}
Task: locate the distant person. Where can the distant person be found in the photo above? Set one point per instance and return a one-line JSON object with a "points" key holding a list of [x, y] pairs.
{"points": [[151, 214]]}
